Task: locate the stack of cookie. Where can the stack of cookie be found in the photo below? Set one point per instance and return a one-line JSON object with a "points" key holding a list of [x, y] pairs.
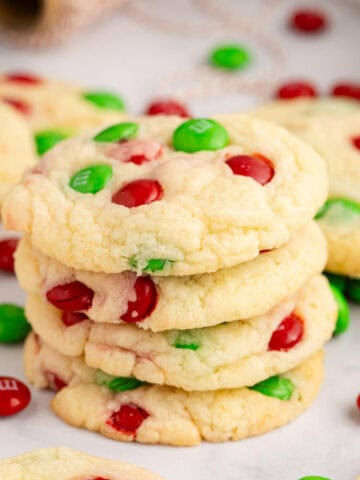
{"points": [[172, 271]]}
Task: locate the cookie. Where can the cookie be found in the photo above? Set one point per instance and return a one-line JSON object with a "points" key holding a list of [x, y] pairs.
{"points": [[168, 211], [295, 113], [340, 223], [16, 149], [51, 105], [166, 303], [332, 128], [230, 355], [166, 415], [66, 464]]}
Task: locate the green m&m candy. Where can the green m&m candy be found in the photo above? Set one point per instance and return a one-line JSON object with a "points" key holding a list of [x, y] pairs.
{"points": [[186, 340], [338, 210], [115, 133], [312, 477], [156, 264], [47, 139], [337, 280], [116, 384], [343, 319], [230, 57], [91, 179], [152, 265], [200, 134], [105, 100], [353, 289], [13, 324], [278, 387]]}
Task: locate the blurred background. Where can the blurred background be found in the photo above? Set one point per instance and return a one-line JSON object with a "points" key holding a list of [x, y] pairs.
{"points": [[160, 48]]}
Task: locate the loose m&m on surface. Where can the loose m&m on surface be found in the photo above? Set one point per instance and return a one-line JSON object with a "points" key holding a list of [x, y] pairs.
{"points": [[14, 396]]}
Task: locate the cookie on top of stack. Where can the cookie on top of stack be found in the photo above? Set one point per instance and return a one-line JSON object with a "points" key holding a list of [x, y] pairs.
{"points": [[332, 127], [173, 277]]}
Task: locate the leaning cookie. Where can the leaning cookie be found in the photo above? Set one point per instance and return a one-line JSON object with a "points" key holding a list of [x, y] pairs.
{"points": [[231, 355], [65, 464], [165, 415], [179, 198], [332, 128], [17, 152], [165, 303]]}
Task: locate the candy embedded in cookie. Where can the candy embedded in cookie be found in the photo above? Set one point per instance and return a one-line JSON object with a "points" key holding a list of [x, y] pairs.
{"points": [[127, 419], [278, 387], [144, 303], [105, 100], [288, 333], [71, 297], [200, 134]]}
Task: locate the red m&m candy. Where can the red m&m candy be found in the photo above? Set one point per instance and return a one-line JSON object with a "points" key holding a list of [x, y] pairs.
{"points": [[19, 105], [97, 478], [358, 401], [288, 333], [292, 90], [167, 107], [356, 142], [308, 21], [23, 78], [135, 151], [72, 318], [128, 418], [138, 192], [55, 382], [7, 250], [14, 396], [71, 297], [144, 303], [256, 166], [350, 90]]}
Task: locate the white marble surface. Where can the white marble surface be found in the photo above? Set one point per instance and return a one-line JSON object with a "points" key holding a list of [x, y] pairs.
{"points": [[161, 55]]}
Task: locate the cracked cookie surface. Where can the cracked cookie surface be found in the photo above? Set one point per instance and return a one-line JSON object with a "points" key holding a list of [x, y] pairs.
{"points": [[169, 212], [232, 294], [166, 415], [230, 355]]}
